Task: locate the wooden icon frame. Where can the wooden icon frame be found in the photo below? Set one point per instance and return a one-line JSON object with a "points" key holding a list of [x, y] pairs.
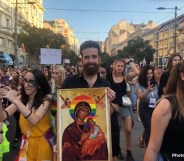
{"points": [[100, 111]]}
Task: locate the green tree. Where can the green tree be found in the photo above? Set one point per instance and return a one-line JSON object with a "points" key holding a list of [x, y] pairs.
{"points": [[137, 49], [67, 53], [36, 38], [105, 58]]}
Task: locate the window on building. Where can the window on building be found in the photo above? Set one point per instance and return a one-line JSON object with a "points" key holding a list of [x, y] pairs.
{"points": [[1, 41], [7, 22], [0, 18], [10, 44]]}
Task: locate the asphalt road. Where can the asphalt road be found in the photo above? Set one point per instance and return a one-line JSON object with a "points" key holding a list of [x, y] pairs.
{"points": [[137, 152]]}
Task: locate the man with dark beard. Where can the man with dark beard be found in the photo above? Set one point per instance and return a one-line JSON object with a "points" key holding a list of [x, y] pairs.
{"points": [[89, 78]]}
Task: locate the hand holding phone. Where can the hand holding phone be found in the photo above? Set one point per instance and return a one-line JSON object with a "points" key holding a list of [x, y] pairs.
{"points": [[153, 83], [6, 80]]}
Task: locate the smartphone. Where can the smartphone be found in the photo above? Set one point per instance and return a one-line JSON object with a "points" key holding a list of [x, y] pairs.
{"points": [[153, 83], [5, 80]]}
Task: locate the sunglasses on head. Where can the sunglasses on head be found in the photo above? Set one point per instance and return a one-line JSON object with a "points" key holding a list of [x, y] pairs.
{"points": [[29, 82]]}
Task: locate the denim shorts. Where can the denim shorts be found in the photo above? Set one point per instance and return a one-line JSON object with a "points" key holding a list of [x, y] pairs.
{"points": [[125, 112]]}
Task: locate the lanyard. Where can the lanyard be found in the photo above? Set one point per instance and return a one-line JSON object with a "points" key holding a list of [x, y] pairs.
{"points": [[152, 94]]}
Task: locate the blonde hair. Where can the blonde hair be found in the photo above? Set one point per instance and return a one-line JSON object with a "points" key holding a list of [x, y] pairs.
{"points": [[61, 69], [119, 61]]}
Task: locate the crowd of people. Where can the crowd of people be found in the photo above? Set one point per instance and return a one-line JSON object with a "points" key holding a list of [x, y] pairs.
{"points": [[157, 94]]}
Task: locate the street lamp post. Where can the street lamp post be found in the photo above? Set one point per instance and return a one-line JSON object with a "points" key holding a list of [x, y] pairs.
{"points": [[16, 49], [175, 26], [16, 24], [175, 23]]}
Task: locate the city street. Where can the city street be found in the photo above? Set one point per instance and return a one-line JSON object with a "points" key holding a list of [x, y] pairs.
{"points": [[137, 152]]}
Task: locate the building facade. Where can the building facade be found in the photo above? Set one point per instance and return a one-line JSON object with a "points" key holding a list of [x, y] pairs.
{"points": [[164, 39], [30, 11], [60, 26], [121, 33], [161, 38]]}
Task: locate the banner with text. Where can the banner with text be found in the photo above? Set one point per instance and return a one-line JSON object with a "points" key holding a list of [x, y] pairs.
{"points": [[51, 56]]}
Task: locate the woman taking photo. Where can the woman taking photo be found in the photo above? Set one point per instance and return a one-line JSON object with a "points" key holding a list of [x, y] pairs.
{"points": [[34, 106], [147, 92], [167, 124]]}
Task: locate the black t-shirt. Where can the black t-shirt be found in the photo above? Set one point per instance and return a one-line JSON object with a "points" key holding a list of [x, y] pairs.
{"points": [[78, 81]]}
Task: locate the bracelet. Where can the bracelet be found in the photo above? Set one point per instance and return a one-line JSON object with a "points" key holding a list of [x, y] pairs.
{"points": [[7, 114], [28, 114]]}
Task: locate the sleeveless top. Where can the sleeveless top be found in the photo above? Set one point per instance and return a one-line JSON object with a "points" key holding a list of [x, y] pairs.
{"points": [[173, 141], [119, 88]]}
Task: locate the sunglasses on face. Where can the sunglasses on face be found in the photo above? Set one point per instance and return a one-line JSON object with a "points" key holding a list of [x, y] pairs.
{"points": [[29, 82]]}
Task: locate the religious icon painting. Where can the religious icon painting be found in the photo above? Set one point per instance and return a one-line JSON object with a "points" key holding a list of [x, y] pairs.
{"points": [[83, 125]]}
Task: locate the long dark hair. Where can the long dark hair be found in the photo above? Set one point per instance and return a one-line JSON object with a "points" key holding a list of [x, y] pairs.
{"points": [[43, 88], [175, 86], [169, 64], [142, 78], [107, 68]]}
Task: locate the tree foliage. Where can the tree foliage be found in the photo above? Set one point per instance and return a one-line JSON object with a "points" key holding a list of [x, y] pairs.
{"points": [[36, 38], [138, 49], [105, 58], [67, 53]]}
